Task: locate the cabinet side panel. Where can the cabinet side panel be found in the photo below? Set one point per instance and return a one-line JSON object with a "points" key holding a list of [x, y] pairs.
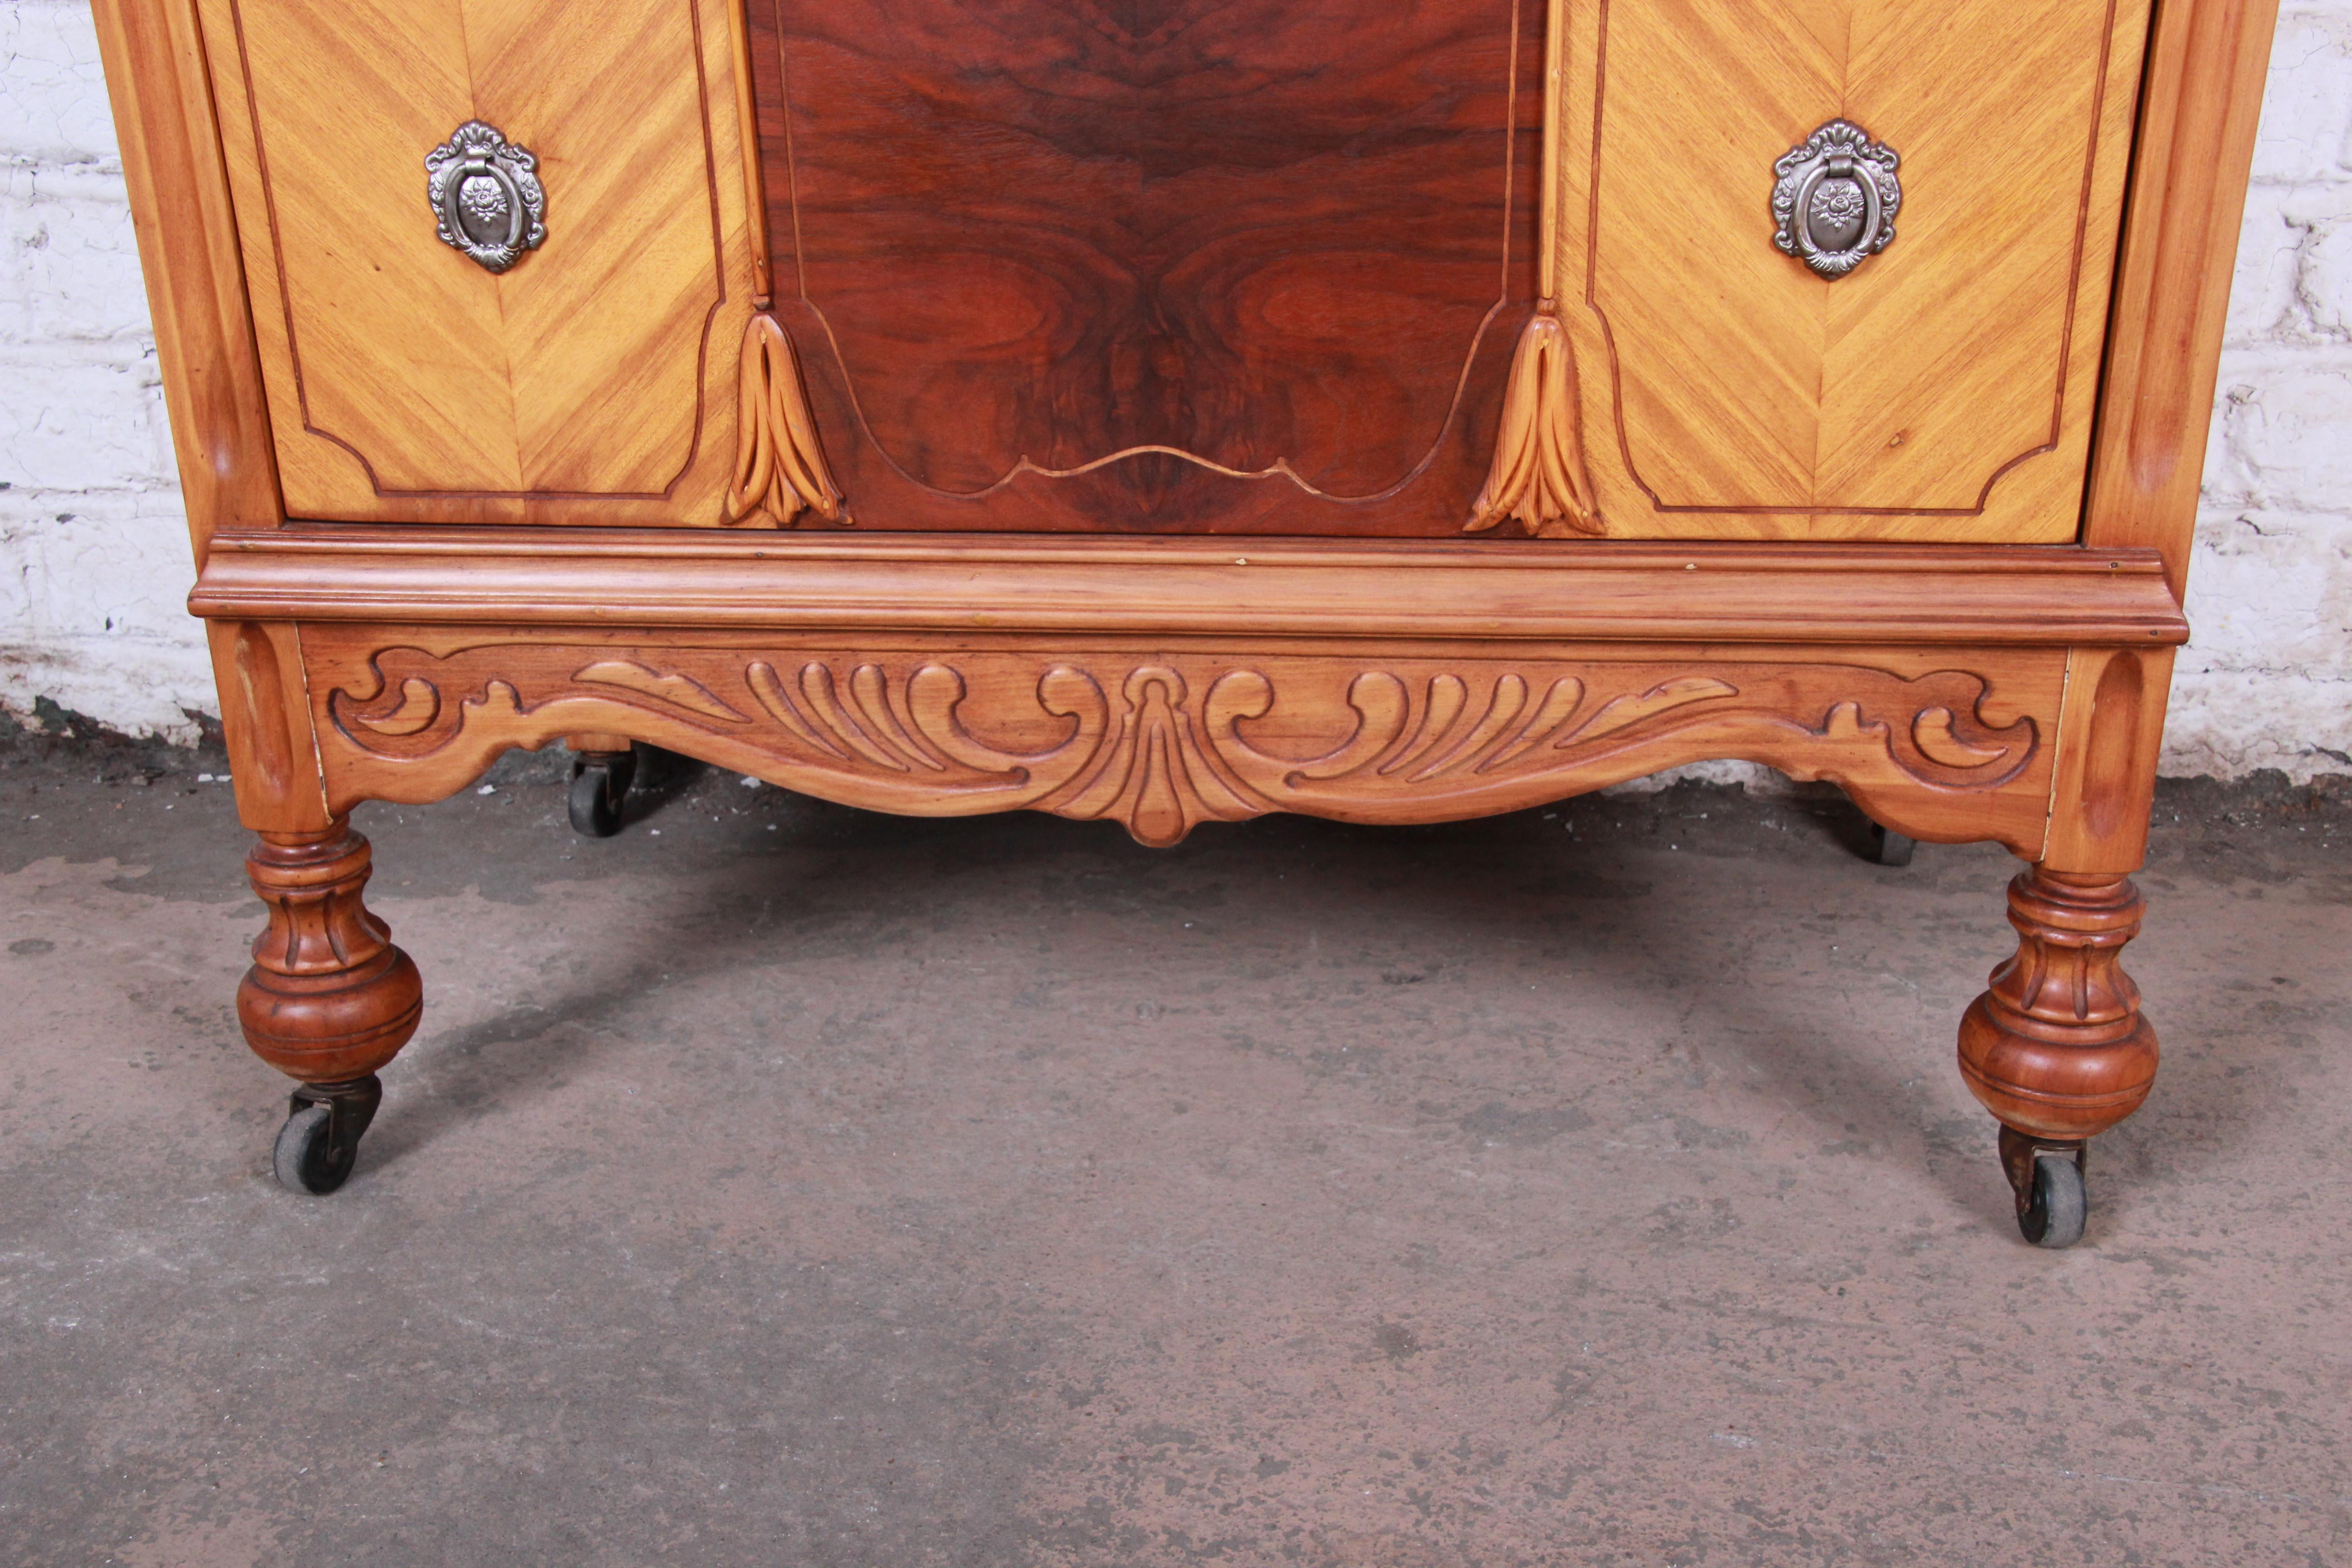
{"points": [[2203, 106], [2039, 500], [179, 203]]}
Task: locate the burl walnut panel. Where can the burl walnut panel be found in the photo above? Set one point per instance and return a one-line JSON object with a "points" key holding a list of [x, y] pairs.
{"points": [[1949, 745], [1173, 266], [593, 382]]}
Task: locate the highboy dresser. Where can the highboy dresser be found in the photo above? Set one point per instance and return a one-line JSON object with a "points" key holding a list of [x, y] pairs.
{"points": [[1173, 411]]}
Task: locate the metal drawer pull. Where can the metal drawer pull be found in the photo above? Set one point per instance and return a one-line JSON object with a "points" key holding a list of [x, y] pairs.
{"points": [[485, 196], [1836, 199]]}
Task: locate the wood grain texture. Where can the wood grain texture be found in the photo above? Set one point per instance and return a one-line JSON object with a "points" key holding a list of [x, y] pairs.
{"points": [[593, 382], [2056, 1047], [1512, 591], [179, 207], [1538, 479], [329, 998], [2111, 737], [1945, 745], [1221, 266], [780, 466], [1944, 390], [266, 725], [746, 129], [2202, 105]]}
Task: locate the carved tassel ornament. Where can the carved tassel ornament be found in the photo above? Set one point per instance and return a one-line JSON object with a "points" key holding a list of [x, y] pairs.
{"points": [[1538, 476], [780, 468]]}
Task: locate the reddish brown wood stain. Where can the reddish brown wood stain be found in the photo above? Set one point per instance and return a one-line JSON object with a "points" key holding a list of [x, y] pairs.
{"points": [[1036, 234]]}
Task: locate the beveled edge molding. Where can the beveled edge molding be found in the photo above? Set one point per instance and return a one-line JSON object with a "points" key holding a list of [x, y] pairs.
{"points": [[2033, 595], [755, 185], [1161, 741]]}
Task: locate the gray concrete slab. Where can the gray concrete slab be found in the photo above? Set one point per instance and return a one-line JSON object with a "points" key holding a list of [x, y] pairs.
{"points": [[777, 1184]]}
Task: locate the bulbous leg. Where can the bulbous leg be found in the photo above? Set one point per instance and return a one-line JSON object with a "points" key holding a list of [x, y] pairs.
{"points": [[2056, 1048], [328, 999]]}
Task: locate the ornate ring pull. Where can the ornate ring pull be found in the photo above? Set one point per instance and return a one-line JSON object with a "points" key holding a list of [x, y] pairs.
{"points": [[486, 195], [1836, 199]]}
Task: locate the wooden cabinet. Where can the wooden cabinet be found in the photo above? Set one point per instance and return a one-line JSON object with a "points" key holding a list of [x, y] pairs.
{"points": [[1176, 412]]}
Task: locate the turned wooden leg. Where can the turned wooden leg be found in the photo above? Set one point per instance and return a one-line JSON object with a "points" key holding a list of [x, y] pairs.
{"points": [[328, 999], [2056, 1047]]}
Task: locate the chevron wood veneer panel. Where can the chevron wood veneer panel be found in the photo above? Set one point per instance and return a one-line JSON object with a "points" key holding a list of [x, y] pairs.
{"points": [[593, 380], [1944, 389]]}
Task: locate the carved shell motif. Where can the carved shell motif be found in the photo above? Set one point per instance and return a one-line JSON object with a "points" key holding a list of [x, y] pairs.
{"points": [[485, 196], [1834, 199]]}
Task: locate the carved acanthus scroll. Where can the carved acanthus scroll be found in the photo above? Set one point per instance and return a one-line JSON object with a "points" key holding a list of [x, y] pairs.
{"points": [[780, 468], [1163, 744]]}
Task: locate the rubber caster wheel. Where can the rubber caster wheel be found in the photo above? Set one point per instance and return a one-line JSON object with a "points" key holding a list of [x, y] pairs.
{"points": [[600, 787], [320, 1140], [2054, 1216], [1890, 848], [307, 1159]]}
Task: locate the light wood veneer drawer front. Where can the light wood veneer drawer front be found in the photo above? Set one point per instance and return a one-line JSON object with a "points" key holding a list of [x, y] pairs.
{"points": [[594, 380], [1943, 388]]}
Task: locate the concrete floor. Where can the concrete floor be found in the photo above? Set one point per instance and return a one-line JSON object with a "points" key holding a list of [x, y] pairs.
{"points": [[795, 1186]]}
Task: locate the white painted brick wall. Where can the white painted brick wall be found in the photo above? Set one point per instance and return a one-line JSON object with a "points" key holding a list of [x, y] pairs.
{"points": [[94, 562], [2267, 680], [94, 565]]}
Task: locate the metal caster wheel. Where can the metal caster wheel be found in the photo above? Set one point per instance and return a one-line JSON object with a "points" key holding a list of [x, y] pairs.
{"points": [[1891, 848], [320, 1140], [2053, 1203], [600, 786]]}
